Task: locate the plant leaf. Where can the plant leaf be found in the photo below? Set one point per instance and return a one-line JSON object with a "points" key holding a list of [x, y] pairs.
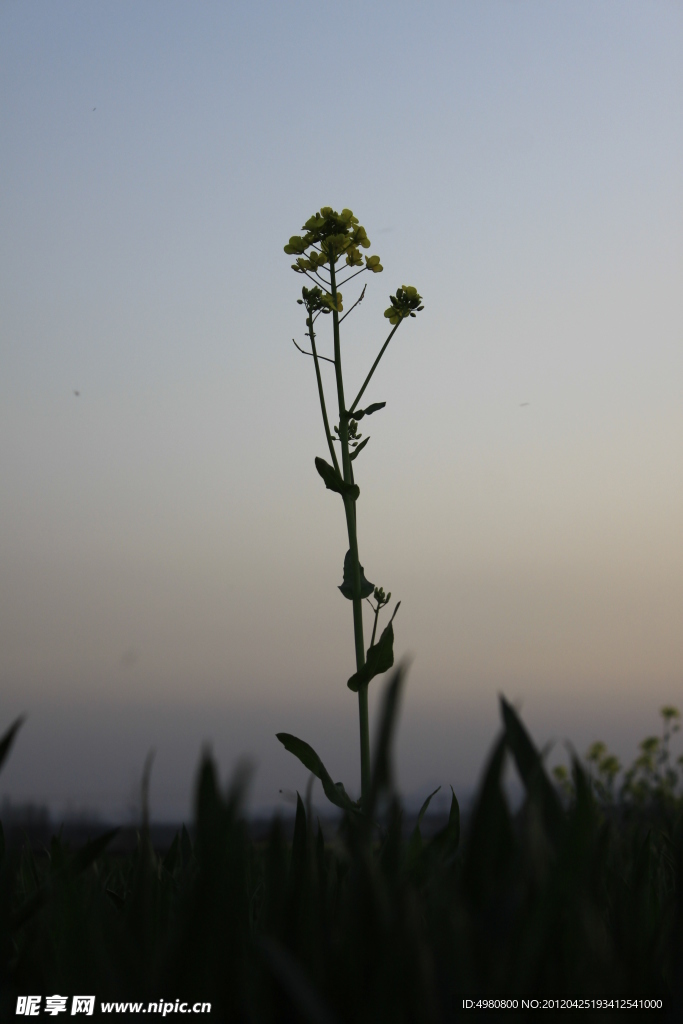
{"points": [[334, 791], [360, 413], [333, 480], [359, 449], [375, 407], [347, 586], [380, 658]]}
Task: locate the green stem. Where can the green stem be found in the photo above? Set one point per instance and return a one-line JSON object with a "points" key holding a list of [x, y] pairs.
{"points": [[350, 510], [321, 393], [374, 367], [374, 628]]}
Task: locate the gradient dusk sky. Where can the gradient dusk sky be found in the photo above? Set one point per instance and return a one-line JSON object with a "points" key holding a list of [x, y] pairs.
{"points": [[170, 558]]}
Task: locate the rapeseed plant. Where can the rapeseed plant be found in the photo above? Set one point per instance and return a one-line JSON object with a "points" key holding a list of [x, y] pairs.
{"points": [[330, 248]]}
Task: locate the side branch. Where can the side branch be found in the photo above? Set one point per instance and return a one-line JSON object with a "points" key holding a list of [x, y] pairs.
{"points": [[374, 367], [318, 282], [303, 352], [351, 276], [321, 394]]}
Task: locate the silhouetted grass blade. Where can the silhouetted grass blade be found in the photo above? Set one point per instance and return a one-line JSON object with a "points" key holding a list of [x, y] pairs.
{"points": [[76, 866], [298, 866], [173, 855], [533, 774], [447, 841], [185, 846], [8, 739], [391, 851], [388, 719], [491, 839], [415, 842]]}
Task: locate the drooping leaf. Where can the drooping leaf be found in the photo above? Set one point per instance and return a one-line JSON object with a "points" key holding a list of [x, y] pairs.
{"points": [[347, 586], [334, 791], [333, 480], [379, 658]]}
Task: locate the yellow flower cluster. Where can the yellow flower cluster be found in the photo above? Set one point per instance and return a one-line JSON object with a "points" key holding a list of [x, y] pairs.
{"points": [[406, 302], [329, 236]]}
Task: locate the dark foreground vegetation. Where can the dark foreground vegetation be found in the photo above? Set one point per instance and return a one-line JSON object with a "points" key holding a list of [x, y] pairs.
{"points": [[577, 894]]}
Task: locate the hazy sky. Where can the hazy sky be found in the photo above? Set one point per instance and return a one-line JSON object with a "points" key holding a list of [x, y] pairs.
{"points": [[169, 557]]}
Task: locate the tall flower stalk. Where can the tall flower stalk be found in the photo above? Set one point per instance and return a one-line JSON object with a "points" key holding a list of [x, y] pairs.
{"points": [[329, 255]]}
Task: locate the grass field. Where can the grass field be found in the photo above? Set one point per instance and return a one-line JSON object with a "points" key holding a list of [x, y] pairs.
{"points": [[577, 894]]}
